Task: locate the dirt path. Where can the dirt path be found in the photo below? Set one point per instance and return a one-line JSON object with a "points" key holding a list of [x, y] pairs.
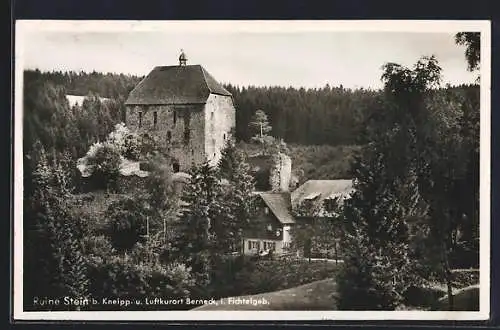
{"points": [[317, 295]]}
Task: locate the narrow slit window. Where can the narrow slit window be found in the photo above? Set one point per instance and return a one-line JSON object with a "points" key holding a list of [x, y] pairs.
{"points": [[155, 119], [140, 118], [175, 117]]}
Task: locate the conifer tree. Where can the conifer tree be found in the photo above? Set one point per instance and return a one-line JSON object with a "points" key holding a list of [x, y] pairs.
{"points": [[387, 203], [54, 261], [260, 125], [194, 243], [238, 195]]}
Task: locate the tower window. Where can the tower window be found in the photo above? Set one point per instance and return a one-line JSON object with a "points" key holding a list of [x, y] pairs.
{"points": [[140, 118], [176, 167], [175, 117], [224, 136], [212, 115], [187, 134], [192, 152], [155, 119]]}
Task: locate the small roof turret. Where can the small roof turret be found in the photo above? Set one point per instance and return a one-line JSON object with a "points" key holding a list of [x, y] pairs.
{"points": [[182, 58]]}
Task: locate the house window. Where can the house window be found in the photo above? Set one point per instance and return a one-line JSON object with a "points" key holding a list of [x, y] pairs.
{"points": [[212, 115], [140, 119], [175, 117], [269, 227], [169, 136], [266, 210], [192, 152], [269, 246], [187, 135], [253, 245], [224, 136], [155, 119]]}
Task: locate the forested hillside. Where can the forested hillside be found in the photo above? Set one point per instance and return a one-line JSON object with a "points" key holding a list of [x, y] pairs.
{"points": [[331, 117]]}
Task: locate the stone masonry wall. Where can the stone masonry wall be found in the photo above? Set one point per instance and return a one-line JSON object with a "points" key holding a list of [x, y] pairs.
{"points": [[220, 119], [179, 130]]}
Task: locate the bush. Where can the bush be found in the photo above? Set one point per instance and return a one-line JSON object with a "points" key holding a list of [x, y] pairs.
{"points": [[126, 222], [126, 142], [104, 163], [244, 276], [97, 247], [127, 278], [424, 296], [132, 147], [465, 277]]}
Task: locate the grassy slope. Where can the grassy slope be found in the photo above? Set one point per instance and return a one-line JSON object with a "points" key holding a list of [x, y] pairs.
{"points": [[319, 295]]}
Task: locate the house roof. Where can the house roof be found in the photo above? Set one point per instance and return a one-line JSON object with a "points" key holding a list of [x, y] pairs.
{"points": [[319, 190], [280, 205], [78, 99], [190, 84]]}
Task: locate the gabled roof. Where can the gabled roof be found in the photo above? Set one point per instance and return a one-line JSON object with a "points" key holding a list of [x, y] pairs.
{"points": [[190, 84], [280, 205], [321, 189]]}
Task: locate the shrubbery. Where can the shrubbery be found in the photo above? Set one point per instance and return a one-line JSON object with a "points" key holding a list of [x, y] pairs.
{"points": [[126, 220], [125, 277], [104, 163], [241, 275]]}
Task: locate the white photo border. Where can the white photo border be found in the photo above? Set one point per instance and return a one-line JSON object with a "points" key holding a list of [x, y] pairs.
{"points": [[420, 26]]}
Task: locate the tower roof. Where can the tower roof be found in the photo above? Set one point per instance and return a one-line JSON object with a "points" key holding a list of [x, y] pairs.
{"points": [[190, 84]]}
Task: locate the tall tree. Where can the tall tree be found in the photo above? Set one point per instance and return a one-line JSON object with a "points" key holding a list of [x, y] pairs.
{"points": [[260, 126], [387, 202], [237, 194], [54, 264], [195, 242], [472, 42]]}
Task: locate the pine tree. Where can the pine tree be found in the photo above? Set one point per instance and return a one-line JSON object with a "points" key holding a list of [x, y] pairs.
{"points": [[387, 204], [238, 197], [54, 263], [194, 243], [260, 126]]}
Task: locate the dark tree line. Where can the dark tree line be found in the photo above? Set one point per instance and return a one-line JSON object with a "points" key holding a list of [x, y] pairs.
{"points": [[330, 115], [109, 85]]}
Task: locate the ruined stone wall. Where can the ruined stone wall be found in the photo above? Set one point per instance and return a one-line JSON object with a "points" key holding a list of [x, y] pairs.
{"points": [[281, 173], [220, 118], [179, 130]]}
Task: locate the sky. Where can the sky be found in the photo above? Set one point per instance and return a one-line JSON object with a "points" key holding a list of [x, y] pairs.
{"points": [[296, 58]]}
